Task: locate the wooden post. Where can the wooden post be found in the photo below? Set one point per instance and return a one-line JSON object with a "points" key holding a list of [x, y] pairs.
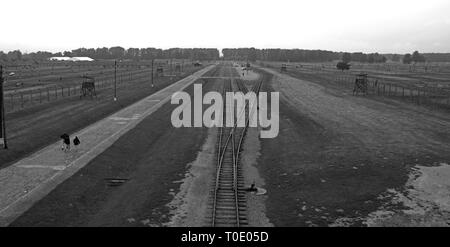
{"points": [[12, 101], [418, 96], [115, 80], [2, 112], [152, 73]]}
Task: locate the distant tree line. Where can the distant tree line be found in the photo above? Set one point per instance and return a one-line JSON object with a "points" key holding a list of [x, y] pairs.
{"points": [[116, 52], [437, 57], [416, 57], [251, 54], [299, 55], [363, 58], [292, 55]]}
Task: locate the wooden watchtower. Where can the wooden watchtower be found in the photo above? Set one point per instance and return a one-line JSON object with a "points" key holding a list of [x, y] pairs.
{"points": [[88, 87], [361, 83]]}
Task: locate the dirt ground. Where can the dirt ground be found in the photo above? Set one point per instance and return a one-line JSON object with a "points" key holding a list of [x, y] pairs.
{"points": [[337, 154]]}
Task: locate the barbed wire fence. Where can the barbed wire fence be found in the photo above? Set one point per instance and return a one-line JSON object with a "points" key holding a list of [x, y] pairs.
{"points": [[20, 99], [436, 97]]}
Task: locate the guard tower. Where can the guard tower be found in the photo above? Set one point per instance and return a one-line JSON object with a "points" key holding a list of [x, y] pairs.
{"points": [[160, 70], [88, 87], [360, 84]]}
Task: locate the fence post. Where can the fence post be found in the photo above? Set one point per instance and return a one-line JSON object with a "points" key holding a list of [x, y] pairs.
{"points": [[56, 92], [418, 96], [21, 97], [40, 96], [12, 101]]}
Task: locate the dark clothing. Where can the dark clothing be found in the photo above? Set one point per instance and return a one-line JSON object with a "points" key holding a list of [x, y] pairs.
{"points": [[66, 139], [76, 141]]}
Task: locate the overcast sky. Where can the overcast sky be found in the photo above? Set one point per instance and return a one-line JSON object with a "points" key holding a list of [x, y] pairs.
{"points": [[340, 25]]}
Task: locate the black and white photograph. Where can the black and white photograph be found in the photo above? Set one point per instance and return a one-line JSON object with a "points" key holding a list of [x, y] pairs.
{"points": [[232, 114]]}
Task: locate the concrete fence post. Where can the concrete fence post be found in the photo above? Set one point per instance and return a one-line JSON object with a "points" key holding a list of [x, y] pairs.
{"points": [[12, 101]]}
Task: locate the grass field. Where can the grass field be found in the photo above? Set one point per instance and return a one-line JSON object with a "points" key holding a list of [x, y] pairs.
{"points": [[394, 81]]}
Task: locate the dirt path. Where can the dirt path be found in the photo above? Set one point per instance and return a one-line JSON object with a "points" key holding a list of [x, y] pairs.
{"points": [[336, 154]]}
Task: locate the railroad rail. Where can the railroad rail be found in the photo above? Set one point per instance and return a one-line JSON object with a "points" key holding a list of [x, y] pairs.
{"points": [[229, 193]]}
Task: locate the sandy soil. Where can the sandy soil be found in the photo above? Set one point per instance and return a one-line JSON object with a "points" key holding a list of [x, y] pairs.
{"points": [[424, 200], [337, 154], [256, 209], [189, 205]]}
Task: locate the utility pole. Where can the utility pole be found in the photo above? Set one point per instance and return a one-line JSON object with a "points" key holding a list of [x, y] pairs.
{"points": [[115, 80], [152, 72], [2, 113]]}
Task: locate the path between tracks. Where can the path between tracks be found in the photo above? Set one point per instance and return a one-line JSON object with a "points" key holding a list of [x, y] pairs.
{"points": [[28, 180]]}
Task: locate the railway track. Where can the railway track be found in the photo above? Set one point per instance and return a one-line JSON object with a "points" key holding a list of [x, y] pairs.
{"points": [[229, 201]]}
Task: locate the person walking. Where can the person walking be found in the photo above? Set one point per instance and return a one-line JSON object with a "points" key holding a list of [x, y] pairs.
{"points": [[66, 142]]}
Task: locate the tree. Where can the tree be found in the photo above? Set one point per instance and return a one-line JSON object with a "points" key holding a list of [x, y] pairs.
{"points": [[346, 57], [343, 66], [407, 59], [3, 57], [117, 52], [102, 53], [395, 58], [371, 58], [15, 55], [417, 57], [359, 57]]}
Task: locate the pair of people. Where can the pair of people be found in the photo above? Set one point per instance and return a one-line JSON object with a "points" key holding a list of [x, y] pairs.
{"points": [[66, 142]]}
